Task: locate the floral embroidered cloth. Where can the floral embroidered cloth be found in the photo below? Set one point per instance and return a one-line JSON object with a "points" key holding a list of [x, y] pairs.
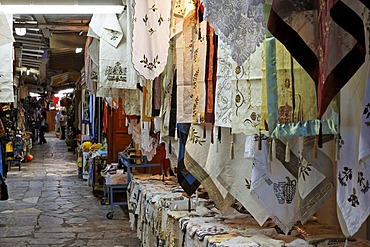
{"points": [[113, 54], [223, 99], [353, 190], [238, 23], [6, 62], [238, 92], [151, 35]]}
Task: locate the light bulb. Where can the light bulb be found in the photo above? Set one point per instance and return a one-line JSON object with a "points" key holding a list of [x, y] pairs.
{"points": [[20, 31]]}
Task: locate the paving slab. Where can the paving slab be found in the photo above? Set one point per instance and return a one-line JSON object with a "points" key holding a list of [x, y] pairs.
{"points": [[50, 206]]}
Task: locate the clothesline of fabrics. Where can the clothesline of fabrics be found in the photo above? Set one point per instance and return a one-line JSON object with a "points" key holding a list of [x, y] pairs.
{"points": [[250, 97]]}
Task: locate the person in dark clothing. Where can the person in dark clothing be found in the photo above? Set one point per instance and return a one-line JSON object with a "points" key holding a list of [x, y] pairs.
{"points": [[63, 124], [42, 127]]}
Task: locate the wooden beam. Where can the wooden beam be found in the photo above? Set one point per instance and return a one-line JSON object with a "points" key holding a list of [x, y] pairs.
{"points": [[54, 26], [41, 19]]}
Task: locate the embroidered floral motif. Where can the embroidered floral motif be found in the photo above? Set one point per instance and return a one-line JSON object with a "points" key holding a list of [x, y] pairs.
{"points": [[195, 137], [304, 168], [150, 65], [353, 199], [365, 186], [347, 175], [145, 19], [151, 31], [367, 113], [160, 19], [254, 120], [153, 8], [239, 97], [114, 35], [116, 73], [248, 184]]}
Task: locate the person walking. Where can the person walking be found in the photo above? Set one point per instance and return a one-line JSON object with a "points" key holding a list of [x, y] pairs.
{"points": [[63, 124], [43, 126]]}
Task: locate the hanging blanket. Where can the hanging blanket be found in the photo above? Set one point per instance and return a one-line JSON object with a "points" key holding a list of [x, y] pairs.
{"points": [[6, 62], [151, 35]]}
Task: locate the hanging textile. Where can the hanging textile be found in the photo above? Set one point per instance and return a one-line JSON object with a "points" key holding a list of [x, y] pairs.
{"points": [[131, 102], [294, 190], [168, 94], [85, 107], [211, 72], [151, 35], [353, 189], [6, 62], [199, 96], [113, 54], [184, 58], [238, 23], [291, 97], [246, 95], [236, 173], [223, 98], [325, 37], [157, 95], [187, 181], [6, 36], [88, 65], [205, 163]]}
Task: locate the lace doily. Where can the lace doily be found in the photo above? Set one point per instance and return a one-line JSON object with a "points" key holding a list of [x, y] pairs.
{"points": [[239, 23]]}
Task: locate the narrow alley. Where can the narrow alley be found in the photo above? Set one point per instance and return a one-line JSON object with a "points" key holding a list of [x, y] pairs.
{"points": [[50, 206]]}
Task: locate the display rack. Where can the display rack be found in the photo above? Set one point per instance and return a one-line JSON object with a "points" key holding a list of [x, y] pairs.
{"points": [[129, 163], [99, 163]]}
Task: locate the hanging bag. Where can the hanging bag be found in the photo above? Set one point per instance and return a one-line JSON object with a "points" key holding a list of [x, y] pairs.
{"points": [[3, 189]]}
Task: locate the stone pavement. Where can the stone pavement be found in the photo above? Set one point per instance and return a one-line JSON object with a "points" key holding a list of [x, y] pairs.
{"points": [[50, 206]]}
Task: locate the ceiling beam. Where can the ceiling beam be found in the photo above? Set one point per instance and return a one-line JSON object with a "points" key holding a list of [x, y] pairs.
{"points": [[31, 60], [55, 26], [31, 44], [31, 54], [33, 50], [40, 19]]}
